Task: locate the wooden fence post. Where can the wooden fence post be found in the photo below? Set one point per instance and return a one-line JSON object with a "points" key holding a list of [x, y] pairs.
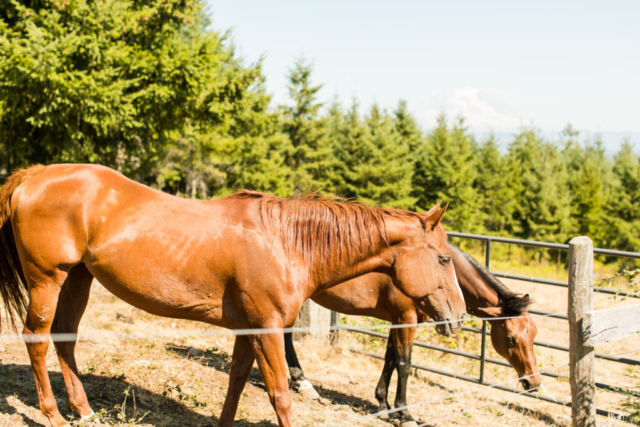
{"points": [[581, 357], [316, 317], [335, 322]]}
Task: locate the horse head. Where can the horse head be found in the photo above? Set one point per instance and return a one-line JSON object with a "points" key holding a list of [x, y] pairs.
{"points": [[513, 338]]}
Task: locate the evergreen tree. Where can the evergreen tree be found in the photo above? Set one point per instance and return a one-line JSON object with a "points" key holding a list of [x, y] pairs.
{"points": [[495, 194], [372, 164], [624, 212], [406, 126], [310, 153], [132, 85], [385, 174], [335, 136], [348, 136], [540, 181], [589, 184], [446, 170]]}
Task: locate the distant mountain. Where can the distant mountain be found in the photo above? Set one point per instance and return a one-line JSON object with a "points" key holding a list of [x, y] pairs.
{"points": [[483, 111], [486, 114]]}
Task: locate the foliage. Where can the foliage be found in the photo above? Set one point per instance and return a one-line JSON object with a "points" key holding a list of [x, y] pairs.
{"points": [[497, 195], [447, 169], [543, 208], [373, 162], [141, 86], [147, 87], [310, 152]]}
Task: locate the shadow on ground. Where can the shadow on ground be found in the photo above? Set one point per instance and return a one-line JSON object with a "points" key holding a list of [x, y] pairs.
{"points": [[221, 361], [214, 358], [104, 393]]}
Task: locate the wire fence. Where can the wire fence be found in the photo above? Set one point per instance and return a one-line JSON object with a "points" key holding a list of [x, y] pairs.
{"points": [[425, 402], [98, 335], [484, 359], [374, 331]]}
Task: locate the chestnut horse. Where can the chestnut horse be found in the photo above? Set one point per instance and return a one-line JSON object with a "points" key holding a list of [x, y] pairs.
{"points": [[486, 297], [245, 261]]}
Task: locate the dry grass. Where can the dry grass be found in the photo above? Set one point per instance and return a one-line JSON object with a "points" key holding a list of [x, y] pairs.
{"points": [[182, 382]]}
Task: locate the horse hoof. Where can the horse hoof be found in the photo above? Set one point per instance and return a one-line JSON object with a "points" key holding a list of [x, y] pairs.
{"points": [[384, 415], [310, 393], [305, 388], [88, 418], [84, 418], [409, 424]]}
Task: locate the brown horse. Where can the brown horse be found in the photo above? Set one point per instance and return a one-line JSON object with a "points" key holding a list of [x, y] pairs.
{"points": [[375, 295], [245, 261]]}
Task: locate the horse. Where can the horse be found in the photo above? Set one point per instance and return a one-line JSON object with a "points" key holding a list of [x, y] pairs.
{"points": [[375, 295], [245, 261]]}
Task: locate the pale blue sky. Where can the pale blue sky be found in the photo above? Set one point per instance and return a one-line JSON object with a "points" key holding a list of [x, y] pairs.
{"points": [[502, 63]]}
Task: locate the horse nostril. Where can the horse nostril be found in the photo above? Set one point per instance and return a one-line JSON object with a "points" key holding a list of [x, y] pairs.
{"points": [[464, 315]]}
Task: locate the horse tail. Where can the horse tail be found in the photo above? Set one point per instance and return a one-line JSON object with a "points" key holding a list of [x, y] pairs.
{"points": [[13, 286]]}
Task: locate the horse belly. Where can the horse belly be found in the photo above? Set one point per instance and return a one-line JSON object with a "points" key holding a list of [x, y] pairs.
{"points": [[158, 287]]}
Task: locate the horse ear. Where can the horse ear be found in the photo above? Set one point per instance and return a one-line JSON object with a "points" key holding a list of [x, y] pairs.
{"points": [[435, 215], [492, 311], [433, 209]]}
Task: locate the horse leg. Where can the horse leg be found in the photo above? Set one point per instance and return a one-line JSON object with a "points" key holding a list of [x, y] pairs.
{"points": [[382, 389], [403, 343], [300, 383], [44, 288], [72, 302], [241, 364], [269, 352]]}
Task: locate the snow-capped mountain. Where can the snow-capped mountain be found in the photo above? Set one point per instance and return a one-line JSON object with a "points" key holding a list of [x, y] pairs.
{"points": [[482, 110]]}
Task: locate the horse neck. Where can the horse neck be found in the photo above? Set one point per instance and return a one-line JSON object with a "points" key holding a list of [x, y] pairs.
{"points": [[379, 258], [477, 293]]}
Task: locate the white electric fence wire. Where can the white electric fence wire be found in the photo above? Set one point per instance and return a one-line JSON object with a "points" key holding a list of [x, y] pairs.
{"points": [[624, 416], [547, 391], [95, 336], [467, 411], [412, 405]]}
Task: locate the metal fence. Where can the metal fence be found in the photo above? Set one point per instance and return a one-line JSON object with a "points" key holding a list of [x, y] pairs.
{"points": [[484, 359]]}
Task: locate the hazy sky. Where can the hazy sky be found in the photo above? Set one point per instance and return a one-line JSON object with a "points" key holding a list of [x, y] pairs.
{"points": [[502, 63]]}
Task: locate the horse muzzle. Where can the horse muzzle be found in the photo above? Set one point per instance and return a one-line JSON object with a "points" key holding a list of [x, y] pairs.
{"points": [[451, 327]]}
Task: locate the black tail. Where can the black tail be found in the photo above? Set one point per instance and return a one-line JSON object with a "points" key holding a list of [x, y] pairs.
{"points": [[13, 288], [12, 282]]}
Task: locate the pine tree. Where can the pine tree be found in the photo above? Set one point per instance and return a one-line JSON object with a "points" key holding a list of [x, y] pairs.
{"points": [[385, 175], [589, 183], [350, 147], [446, 170], [372, 164], [335, 136], [406, 126], [145, 87], [495, 195], [540, 181], [623, 228], [310, 152]]}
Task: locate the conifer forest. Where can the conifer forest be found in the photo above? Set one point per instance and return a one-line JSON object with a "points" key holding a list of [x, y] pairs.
{"points": [[150, 89]]}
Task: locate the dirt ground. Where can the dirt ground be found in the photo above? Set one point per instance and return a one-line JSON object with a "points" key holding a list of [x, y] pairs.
{"points": [[183, 381]]}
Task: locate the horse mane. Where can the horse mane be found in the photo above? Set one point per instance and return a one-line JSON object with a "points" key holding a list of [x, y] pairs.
{"points": [[325, 229], [512, 304]]}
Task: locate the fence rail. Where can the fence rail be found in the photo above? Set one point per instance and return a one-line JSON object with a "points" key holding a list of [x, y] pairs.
{"points": [[483, 358], [547, 245]]}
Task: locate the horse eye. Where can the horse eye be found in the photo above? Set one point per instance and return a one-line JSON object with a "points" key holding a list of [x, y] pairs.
{"points": [[445, 259], [511, 341]]}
